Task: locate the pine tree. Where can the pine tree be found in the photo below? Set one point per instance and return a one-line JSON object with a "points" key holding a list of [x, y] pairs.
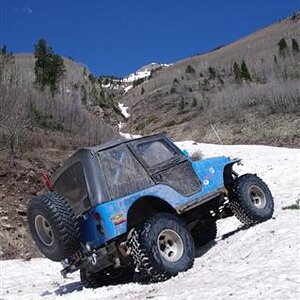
{"points": [[49, 67], [245, 74], [237, 71], [212, 72], [190, 69], [194, 103], [283, 47], [4, 50], [295, 46]]}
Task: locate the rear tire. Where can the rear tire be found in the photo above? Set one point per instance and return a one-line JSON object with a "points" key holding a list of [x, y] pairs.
{"points": [[251, 200], [53, 226], [161, 247]]}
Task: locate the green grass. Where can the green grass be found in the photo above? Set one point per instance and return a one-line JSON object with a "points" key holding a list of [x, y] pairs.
{"points": [[293, 206]]}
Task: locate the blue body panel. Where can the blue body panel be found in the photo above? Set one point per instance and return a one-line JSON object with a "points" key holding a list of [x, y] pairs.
{"points": [[114, 213]]}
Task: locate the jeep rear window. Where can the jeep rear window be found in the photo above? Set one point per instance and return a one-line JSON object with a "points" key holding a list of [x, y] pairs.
{"points": [[123, 173], [154, 153], [71, 185]]}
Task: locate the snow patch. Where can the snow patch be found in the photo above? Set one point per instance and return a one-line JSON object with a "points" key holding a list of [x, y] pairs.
{"points": [[137, 75], [130, 136], [128, 88], [123, 109]]}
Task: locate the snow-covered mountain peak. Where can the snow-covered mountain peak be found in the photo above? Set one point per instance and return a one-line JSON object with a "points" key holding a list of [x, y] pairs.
{"points": [[143, 72]]}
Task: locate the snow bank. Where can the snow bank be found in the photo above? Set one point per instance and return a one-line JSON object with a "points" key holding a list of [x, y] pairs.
{"points": [[261, 262], [129, 136], [123, 109]]}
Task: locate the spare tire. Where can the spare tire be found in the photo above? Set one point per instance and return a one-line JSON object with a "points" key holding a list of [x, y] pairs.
{"points": [[53, 226]]}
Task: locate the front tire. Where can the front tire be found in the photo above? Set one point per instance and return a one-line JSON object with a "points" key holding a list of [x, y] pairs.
{"points": [[251, 200], [161, 247]]}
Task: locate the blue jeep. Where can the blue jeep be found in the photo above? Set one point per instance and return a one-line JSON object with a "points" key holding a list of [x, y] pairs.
{"points": [[137, 208]]}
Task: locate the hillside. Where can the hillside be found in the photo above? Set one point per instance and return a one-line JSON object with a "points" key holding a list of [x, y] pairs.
{"points": [[261, 106], [261, 262], [38, 131]]}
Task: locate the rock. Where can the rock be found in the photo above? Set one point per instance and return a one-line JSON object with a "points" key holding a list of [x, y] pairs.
{"points": [[8, 226], [98, 111], [21, 210], [27, 256]]}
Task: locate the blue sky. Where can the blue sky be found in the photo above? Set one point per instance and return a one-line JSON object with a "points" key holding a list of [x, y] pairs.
{"points": [[118, 36]]}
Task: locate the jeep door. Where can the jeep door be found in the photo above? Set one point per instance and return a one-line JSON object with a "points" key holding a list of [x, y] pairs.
{"points": [[166, 164]]}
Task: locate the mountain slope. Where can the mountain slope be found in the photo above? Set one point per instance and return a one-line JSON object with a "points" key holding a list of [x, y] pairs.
{"points": [[38, 131], [186, 98], [260, 262]]}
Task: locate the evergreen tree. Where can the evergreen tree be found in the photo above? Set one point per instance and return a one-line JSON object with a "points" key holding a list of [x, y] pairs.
{"points": [[245, 74], [4, 50], [295, 46], [283, 47], [237, 71], [220, 78], [49, 67], [190, 69], [212, 72]]}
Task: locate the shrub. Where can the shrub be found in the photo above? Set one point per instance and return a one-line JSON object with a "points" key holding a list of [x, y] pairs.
{"points": [[237, 71], [170, 123], [190, 69], [153, 119], [245, 74], [44, 120], [138, 81], [293, 206], [295, 46], [212, 73], [180, 105], [283, 47]]}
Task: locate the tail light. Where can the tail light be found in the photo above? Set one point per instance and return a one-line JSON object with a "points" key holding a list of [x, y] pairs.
{"points": [[46, 180]]}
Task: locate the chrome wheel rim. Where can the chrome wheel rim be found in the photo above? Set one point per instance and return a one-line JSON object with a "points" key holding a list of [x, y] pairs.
{"points": [[257, 197], [44, 230], [170, 245]]}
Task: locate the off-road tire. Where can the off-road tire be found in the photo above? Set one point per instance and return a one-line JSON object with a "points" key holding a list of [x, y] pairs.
{"points": [[204, 232], [55, 211], [104, 277], [150, 265], [242, 201]]}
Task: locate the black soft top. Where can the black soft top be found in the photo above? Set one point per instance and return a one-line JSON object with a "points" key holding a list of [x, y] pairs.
{"points": [[83, 154], [116, 142]]}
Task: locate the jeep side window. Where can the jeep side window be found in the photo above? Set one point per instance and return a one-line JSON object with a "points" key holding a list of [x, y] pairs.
{"points": [[123, 174], [71, 185], [154, 153]]}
